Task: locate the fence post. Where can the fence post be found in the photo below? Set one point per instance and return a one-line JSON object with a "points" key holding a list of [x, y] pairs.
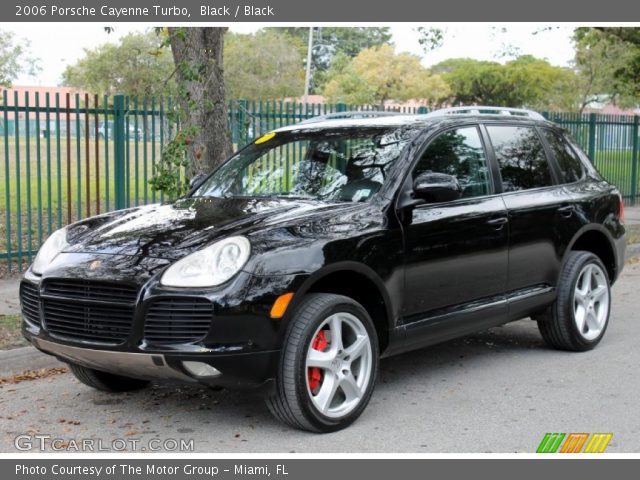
{"points": [[592, 137], [634, 160], [119, 136]]}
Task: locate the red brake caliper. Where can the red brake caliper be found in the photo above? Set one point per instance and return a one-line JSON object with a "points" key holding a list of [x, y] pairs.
{"points": [[315, 374]]}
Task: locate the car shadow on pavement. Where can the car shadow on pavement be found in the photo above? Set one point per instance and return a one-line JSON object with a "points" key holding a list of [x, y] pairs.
{"points": [[203, 406]]}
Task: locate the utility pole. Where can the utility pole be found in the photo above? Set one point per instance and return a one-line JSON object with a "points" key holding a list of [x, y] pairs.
{"points": [[307, 77]]}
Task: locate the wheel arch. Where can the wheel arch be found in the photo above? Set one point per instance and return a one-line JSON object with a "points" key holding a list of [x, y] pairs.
{"points": [[597, 240], [358, 282]]}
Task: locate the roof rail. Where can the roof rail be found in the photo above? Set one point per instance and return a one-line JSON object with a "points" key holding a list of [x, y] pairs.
{"points": [[487, 110], [350, 114]]}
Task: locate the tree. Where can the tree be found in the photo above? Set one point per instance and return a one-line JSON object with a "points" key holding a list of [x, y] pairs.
{"points": [[15, 58], [332, 41], [597, 60], [616, 53], [430, 38], [523, 82], [267, 64], [378, 74], [136, 65], [198, 58]]}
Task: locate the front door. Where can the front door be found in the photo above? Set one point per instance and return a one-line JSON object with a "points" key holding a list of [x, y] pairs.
{"points": [[456, 252]]}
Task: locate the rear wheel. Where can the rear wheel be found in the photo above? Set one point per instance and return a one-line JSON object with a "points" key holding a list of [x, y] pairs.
{"points": [[328, 365], [579, 317], [106, 382]]}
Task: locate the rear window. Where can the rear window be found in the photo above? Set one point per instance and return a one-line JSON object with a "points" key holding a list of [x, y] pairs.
{"points": [[567, 159], [521, 157]]}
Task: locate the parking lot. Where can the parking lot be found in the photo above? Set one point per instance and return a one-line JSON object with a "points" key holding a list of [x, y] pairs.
{"points": [[497, 391]]}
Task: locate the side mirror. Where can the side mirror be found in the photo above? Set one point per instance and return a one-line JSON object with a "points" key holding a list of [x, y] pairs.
{"points": [[196, 179], [436, 187]]}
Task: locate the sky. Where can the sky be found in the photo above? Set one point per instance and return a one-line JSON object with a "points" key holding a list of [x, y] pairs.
{"points": [[58, 45]]}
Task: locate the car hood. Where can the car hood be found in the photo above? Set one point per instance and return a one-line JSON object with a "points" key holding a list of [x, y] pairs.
{"points": [[171, 231]]}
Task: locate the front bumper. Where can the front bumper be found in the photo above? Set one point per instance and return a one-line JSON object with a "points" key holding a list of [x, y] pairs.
{"points": [[246, 370], [242, 342]]}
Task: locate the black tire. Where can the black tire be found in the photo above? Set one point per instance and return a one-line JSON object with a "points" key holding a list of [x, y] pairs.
{"points": [[106, 382], [558, 325], [292, 401]]}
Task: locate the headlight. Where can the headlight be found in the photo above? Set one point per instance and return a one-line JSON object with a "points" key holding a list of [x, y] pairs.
{"points": [[56, 242], [210, 266]]}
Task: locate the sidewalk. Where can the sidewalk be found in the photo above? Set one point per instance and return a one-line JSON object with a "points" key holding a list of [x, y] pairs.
{"points": [[632, 215]]}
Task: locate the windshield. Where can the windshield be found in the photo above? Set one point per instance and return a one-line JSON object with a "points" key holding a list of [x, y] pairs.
{"points": [[331, 165]]}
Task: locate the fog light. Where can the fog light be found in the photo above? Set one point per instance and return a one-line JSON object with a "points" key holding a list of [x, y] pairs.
{"points": [[200, 369]]}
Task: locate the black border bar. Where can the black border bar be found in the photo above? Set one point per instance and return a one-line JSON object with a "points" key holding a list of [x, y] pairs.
{"points": [[231, 11]]}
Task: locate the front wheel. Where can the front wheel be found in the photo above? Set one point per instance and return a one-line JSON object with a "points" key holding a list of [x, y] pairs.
{"points": [[328, 365], [580, 315]]}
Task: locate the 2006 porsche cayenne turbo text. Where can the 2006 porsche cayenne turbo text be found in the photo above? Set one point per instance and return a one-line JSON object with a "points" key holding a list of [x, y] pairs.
{"points": [[323, 246]]}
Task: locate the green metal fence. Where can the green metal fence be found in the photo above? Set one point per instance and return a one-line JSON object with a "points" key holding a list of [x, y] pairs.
{"points": [[612, 144], [66, 157]]}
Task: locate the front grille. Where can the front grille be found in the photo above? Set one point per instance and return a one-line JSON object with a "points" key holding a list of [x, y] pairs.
{"points": [[88, 311], [30, 300], [94, 323], [90, 290], [177, 320]]}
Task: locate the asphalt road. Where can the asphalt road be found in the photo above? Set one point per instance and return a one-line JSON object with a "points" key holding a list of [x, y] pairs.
{"points": [[498, 391]]}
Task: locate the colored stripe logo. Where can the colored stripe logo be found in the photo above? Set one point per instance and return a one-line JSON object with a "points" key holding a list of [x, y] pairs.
{"points": [[574, 442]]}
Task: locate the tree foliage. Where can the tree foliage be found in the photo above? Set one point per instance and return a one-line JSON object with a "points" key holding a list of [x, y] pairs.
{"points": [[136, 65], [330, 42], [524, 82], [378, 74], [611, 56], [15, 58], [268, 64], [430, 38]]}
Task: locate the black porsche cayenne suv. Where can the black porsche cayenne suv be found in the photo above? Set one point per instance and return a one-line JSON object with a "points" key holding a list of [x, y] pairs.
{"points": [[324, 246]]}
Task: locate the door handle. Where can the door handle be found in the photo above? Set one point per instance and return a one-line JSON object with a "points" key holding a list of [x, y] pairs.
{"points": [[497, 222], [566, 211]]}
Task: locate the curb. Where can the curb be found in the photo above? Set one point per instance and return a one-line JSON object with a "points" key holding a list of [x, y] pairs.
{"points": [[17, 360]]}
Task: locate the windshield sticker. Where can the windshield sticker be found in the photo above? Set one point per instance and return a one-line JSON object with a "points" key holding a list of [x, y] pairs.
{"points": [[265, 138]]}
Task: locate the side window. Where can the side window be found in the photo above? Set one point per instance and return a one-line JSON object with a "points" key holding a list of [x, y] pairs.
{"points": [[521, 157], [460, 153], [568, 160]]}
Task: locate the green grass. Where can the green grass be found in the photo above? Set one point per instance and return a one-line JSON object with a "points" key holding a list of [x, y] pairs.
{"points": [[10, 334], [64, 175], [53, 178]]}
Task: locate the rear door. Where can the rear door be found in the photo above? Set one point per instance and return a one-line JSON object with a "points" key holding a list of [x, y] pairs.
{"points": [[537, 208]]}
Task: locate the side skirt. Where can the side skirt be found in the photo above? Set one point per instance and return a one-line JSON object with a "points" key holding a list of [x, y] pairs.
{"points": [[458, 321]]}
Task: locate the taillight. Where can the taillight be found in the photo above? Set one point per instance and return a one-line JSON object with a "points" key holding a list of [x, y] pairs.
{"points": [[621, 210]]}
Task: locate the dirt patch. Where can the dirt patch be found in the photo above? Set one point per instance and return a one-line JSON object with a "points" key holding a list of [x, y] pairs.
{"points": [[633, 234], [10, 334], [29, 375]]}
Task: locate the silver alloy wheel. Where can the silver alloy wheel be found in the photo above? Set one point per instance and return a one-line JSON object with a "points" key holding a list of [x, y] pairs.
{"points": [[591, 301], [338, 374]]}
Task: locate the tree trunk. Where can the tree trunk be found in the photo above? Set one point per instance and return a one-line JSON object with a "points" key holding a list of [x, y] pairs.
{"points": [[197, 53]]}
